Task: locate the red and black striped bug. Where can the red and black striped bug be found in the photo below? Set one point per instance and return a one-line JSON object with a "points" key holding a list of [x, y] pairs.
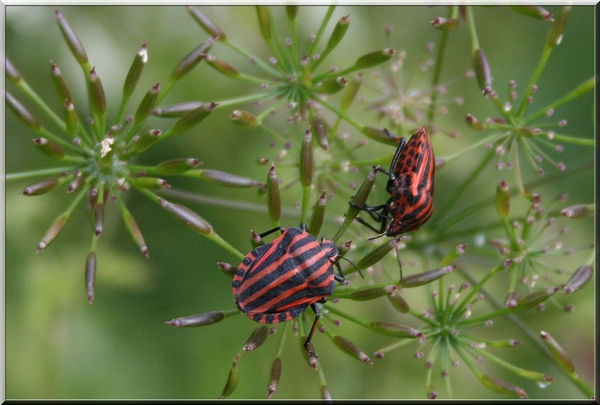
{"points": [[278, 280], [410, 185]]}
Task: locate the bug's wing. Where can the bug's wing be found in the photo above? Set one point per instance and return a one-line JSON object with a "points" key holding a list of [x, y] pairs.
{"points": [[249, 267]]}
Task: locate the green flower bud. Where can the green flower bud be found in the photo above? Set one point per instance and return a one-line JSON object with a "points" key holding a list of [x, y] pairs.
{"points": [[319, 127], [502, 199], [41, 187], [306, 160], [419, 279], [149, 182], [255, 239], [60, 84], [203, 319], [264, 22], [374, 58], [533, 11], [77, 184], [504, 343], [256, 338], [377, 254], [49, 148], [453, 254], [147, 140], [206, 24], [224, 179], [318, 214], [511, 299], [146, 106], [483, 71], [96, 93], [22, 112], [11, 71], [398, 302], [273, 196], [350, 348], [579, 279], [71, 38], [578, 211], [52, 232], [191, 60], [473, 123], [135, 71], [275, 375], [367, 293], [232, 381], [326, 392], [556, 32], [227, 268], [344, 248], [351, 92], [360, 198], [221, 66], [502, 386], [71, 119], [187, 216], [244, 119], [292, 12], [177, 110], [445, 24], [394, 329], [191, 119], [99, 218], [338, 33], [536, 297], [560, 355], [175, 166], [133, 228], [331, 85], [380, 135], [90, 276]]}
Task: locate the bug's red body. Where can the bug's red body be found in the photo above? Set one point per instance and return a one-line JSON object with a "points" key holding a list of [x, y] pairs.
{"points": [[277, 281], [410, 185]]}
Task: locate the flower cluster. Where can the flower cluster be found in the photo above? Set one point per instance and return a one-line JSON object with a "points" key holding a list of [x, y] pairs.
{"points": [[97, 159]]}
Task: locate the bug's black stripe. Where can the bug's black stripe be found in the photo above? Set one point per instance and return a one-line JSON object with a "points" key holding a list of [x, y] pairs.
{"points": [[276, 263], [301, 297]]}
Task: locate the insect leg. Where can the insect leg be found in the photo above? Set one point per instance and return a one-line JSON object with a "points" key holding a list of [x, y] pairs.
{"points": [[312, 330], [270, 231], [382, 170]]}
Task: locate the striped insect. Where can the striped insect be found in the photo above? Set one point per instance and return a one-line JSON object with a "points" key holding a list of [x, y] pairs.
{"points": [[410, 185], [278, 280]]}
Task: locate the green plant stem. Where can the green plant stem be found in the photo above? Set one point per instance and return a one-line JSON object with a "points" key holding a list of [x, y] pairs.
{"points": [[213, 236], [437, 72], [24, 86], [39, 173], [472, 30], [465, 213], [583, 88], [318, 38], [534, 79]]}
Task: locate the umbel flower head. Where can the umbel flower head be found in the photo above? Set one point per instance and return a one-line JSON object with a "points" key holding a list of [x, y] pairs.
{"points": [[264, 262], [96, 157], [518, 139]]}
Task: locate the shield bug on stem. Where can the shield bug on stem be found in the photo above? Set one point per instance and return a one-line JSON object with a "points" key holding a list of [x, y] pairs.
{"points": [[410, 185], [278, 280]]}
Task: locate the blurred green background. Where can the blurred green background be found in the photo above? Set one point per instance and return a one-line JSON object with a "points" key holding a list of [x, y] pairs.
{"points": [[57, 346]]}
